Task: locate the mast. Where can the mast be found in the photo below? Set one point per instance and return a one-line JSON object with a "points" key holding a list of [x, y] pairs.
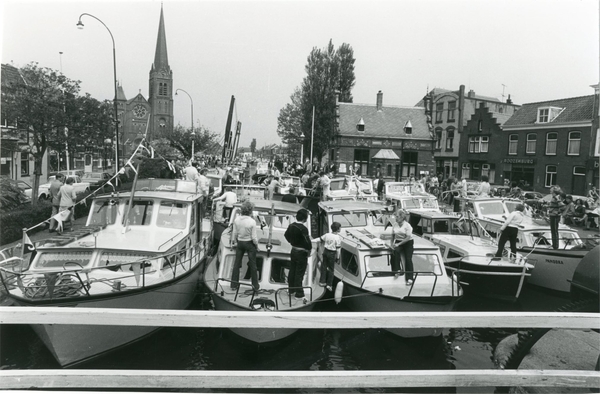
{"points": [[237, 139], [227, 140]]}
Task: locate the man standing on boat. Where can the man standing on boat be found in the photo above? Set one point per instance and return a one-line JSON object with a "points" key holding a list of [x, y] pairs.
{"points": [[403, 242], [510, 230], [245, 240], [297, 235], [191, 172], [554, 213]]}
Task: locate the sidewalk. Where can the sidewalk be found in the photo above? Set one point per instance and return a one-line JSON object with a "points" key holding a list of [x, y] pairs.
{"points": [[43, 234]]}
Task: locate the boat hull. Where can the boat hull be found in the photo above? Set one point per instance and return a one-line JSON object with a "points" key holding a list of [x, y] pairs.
{"points": [[361, 300], [498, 282], [554, 269], [72, 344]]}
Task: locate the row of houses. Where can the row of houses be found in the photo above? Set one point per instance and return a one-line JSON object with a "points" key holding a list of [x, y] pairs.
{"points": [[462, 134]]}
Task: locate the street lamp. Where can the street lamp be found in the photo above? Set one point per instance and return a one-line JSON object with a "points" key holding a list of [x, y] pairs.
{"points": [[192, 106], [302, 136], [80, 26]]}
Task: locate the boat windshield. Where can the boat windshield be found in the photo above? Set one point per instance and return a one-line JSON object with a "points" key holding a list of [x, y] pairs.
{"points": [[430, 203], [412, 203], [140, 213], [104, 212], [422, 262], [350, 219], [282, 221], [512, 205], [491, 208], [119, 259], [62, 258], [172, 215], [566, 239]]}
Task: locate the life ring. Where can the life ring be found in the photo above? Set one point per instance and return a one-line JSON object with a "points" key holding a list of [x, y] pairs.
{"points": [[339, 292]]}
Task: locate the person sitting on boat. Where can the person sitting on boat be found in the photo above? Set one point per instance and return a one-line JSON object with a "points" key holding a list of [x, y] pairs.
{"points": [[510, 229], [580, 216], [484, 187], [332, 243], [569, 210], [245, 240], [594, 195], [515, 191], [297, 235], [290, 197], [230, 198], [403, 243]]}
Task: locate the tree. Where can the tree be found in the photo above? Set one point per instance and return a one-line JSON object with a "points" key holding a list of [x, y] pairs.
{"points": [[328, 71], [39, 106], [253, 146], [180, 139]]}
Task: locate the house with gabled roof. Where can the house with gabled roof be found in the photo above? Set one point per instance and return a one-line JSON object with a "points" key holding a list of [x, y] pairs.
{"points": [[451, 110], [372, 138], [554, 142]]}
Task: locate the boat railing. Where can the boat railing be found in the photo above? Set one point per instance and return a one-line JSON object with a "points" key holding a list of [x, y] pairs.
{"points": [[67, 282], [373, 274], [254, 304]]}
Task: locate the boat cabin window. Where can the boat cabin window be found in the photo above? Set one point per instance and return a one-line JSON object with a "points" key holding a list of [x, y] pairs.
{"points": [[61, 259], [378, 265], [349, 262], [412, 203], [172, 215], [350, 219], [430, 203], [452, 254], [281, 221], [121, 261], [491, 208], [440, 226], [140, 213], [566, 240], [427, 263], [279, 270], [104, 212]]}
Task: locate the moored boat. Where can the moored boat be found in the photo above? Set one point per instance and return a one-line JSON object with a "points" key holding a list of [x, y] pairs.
{"points": [[469, 253], [141, 250], [365, 281], [273, 264]]}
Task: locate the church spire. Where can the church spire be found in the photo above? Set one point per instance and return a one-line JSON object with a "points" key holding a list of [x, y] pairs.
{"points": [[161, 60]]}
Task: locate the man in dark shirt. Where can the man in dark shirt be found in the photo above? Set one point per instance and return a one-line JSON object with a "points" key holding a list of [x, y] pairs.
{"points": [[297, 235], [290, 197]]}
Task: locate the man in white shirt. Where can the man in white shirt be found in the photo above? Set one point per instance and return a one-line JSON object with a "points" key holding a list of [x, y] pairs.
{"points": [[510, 230], [203, 185], [191, 173], [325, 183], [230, 198]]}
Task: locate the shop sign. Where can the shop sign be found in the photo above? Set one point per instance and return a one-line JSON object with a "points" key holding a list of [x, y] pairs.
{"points": [[519, 161]]}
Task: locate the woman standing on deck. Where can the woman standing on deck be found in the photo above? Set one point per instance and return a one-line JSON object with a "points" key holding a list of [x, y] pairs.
{"points": [[403, 242]]}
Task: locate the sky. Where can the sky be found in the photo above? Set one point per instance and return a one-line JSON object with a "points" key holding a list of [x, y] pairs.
{"points": [[534, 50]]}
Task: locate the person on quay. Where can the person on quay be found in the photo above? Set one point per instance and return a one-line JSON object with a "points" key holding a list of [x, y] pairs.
{"points": [[554, 213], [380, 187], [67, 200], [297, 235], [510, 229], [484, 187], [54, 190], [291, 196], [403, 243], [230, 198], [332, 244], [245, 240]]}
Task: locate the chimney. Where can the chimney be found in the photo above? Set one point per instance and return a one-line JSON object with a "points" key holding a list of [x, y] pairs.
{"points": [[471, 93], [509, 100], [461, 107], [379, 101]]}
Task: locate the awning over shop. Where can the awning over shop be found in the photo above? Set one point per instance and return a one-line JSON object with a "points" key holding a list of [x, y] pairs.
{"points": [[386, 154]]}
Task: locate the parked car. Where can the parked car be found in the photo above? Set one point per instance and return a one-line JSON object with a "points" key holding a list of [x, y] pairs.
{"points": [[97, 180], [26, 187], [79, 185]]}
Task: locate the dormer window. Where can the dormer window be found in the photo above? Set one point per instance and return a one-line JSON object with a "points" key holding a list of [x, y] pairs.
{"points": [[360, 126], [548, 114], [408, 127]]}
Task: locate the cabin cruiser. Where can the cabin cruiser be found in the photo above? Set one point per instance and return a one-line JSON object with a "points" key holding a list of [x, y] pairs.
{"points": [[141, 249], [554, 268], [410, 196], [469, 253], [365, 281], [273, 263], [352, 188]]}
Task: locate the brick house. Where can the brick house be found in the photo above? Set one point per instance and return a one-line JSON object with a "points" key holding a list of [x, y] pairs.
{"points": [[398, 141], [553, 143], [450, 112]]}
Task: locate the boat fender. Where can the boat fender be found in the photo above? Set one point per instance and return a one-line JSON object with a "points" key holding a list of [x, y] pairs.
{"points": [[339, 291]]}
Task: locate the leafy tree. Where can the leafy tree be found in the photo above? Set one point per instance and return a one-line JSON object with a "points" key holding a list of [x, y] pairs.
{"points": [[328, 71], [253, 145], [180, 139], [39, 106]]}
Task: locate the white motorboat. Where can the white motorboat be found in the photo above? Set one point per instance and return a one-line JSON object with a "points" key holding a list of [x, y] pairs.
{"points": [[138, 250], [410, 196], [554, 268], [273, 264], [469, 253], [365, 281]]}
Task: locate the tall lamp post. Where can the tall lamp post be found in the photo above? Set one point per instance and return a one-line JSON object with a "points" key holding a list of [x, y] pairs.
{"points": [[80, 26], [192, 111], [302, 136]]}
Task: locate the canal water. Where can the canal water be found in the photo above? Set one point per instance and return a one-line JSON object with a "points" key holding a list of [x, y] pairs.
{"points": [[307, 350]]}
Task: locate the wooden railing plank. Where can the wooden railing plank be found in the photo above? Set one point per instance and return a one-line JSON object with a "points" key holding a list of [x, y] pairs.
{"points": [[358, 320], [141, 379]]}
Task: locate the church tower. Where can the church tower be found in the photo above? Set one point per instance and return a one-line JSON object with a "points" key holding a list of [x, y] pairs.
{"points": [[161, 86]]}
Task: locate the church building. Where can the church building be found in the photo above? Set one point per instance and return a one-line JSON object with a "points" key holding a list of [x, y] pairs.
{"points": [[155, 113]]}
